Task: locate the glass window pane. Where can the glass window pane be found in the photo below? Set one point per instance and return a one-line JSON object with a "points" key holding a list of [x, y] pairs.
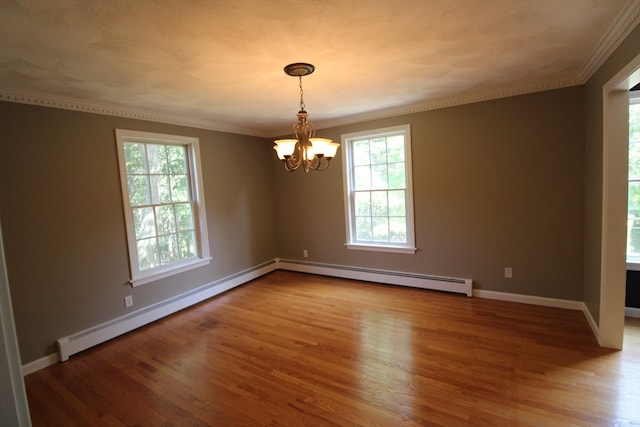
{"points": [[165, 219], [395, 148], [398, 229], [168, 249], [363, 228], [633, 209], [187, 244], [378, 151], [377, 187], [634, 160], [397, 203], [397, 176], [138, 186], [144, 222], [157, 158], [362, 178], [379, 177], [380, 226], [634, 122], [361, 153], [363, 203], [184, 216], [147, 253], [180, 188], [160, 192], [135, 158], [379, 204], [177, 159]]}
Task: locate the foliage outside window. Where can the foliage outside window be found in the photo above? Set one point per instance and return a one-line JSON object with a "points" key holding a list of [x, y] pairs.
{"points": [[633, 216], [164, 207], [378, 190]]}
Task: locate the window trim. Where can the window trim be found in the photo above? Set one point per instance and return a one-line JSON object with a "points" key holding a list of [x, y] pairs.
{"points": [[347, 144], [203, 257], [633, 263]]}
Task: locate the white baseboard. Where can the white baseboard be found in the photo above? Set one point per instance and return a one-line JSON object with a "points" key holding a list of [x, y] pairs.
{"points": [[528, 299], [41, 363], [438, 283], [632, 312], [542, 301], [83, 340], [592, 322]]}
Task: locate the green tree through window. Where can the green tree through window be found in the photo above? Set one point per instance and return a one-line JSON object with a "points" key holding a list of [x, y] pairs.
{"points": [[378, 196], [159, 178]]}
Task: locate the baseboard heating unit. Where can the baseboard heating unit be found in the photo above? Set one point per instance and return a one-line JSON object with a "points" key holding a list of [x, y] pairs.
{"points": [[437, 283], [80, 341]]}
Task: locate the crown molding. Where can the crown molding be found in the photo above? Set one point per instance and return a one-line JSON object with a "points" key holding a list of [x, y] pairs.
{"points": [[625, 22], [448, 102], [118, 111]]}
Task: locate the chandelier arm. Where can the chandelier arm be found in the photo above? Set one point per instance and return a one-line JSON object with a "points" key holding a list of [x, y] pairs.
{"points": [[323, 164]]}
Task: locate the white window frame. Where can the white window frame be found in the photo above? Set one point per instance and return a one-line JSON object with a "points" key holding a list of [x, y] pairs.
{"points": [[202, 257], [349, 199]]}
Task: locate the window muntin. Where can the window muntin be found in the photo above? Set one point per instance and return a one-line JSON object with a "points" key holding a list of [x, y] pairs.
{"points": [[164, 206], [378, 193]]}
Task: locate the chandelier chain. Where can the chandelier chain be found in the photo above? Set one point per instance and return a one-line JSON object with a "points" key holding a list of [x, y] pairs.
{"points": [[301, 94]]}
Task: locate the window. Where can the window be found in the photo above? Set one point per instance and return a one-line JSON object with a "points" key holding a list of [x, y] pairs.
{"points": [[378, 191], [163, 204], [633, 212]]}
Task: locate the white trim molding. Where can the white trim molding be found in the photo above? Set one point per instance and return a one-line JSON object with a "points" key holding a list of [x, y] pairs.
{"points": [[632, 312], [72, 344], [415, 280], [75, 343], [43, 362], [625, 22]]}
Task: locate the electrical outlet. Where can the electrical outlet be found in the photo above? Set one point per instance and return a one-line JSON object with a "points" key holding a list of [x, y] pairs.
{"points": [[128, 301], [305, 253], [508, 272]]}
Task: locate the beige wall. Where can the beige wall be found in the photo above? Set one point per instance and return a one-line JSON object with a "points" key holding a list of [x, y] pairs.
{"points": [[508, 182], [496, 184], [63, 224], [628, 50]]}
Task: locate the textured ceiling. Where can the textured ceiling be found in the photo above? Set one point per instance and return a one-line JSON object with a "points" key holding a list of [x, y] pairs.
{"points": [[218, 63]]}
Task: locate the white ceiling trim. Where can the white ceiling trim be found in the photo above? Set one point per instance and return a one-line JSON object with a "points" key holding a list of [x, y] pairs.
{"points": [[625, 22], [448, 102], [118, 111]]}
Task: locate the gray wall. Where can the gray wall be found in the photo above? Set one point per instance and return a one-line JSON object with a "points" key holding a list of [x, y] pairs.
{"points": [[64, 232], [508, 182], [628, 50], [496, 184]]}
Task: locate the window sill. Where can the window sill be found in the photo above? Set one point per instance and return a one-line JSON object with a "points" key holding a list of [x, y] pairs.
{"points": [[142, 280], [633, 265], [381, 248]]}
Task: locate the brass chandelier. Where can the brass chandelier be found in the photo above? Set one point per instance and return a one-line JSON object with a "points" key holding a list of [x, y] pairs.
{"points": [[304, 149]]}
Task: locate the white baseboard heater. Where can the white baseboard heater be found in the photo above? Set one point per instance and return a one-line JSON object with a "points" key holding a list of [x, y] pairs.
{"points": [[83, 340], [437, 283]]}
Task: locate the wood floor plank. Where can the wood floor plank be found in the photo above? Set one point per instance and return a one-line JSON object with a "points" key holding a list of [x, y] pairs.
{"points": [[291, 349]]}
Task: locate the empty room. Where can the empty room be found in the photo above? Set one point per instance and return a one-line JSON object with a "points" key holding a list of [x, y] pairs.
{"points": [[322, 213]]}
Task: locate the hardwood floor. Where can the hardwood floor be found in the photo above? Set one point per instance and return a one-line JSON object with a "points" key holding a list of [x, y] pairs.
{"points": [[298, 350]]}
